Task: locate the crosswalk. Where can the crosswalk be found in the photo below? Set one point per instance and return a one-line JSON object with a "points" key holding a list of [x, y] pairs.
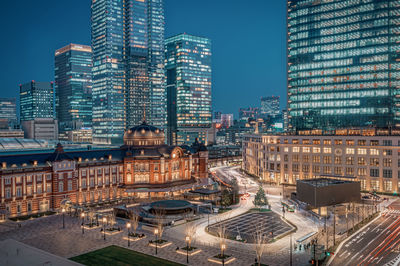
{"points": [[390, 212]]}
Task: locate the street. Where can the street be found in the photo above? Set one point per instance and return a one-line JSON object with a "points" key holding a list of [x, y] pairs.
{"points": [[376, 244]]}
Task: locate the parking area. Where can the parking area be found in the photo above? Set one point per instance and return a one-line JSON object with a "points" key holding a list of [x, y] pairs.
{"points": [[246, 225]]}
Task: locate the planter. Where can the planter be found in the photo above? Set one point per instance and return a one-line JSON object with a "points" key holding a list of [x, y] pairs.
{"points": [[218, 259], [161, 243], [192, 251], [112, 231], [137, 237]]}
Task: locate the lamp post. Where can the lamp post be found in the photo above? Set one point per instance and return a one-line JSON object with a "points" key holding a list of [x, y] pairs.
{"points": [[156, 234], [104, 227], [128, 225], [223, 247], [83, 222], [63, 213], [187, 249]]}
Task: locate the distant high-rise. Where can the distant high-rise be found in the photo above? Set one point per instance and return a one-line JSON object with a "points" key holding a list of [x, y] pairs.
{"points": [[270, 106], [73, 86], [36, 100], [8, 113], [188, 72], [128, 66], [250, 112], [343, 64]]}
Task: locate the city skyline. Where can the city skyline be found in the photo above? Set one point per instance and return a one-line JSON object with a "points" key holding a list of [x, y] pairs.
{"points": [[265, 78]]}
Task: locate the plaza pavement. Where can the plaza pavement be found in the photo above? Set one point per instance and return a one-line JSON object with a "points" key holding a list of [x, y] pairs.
{"points": [[47, 234]]}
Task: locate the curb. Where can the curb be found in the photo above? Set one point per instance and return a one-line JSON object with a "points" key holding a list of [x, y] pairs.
{"points": [[348, 238]]}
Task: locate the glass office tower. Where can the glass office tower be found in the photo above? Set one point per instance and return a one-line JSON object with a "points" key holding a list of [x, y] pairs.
{"points": [[144, 59], [36, 100], [188, 72], [8, 113], [73, 86], [343, 64], [128, 66], [108, 71], [270, 106]]}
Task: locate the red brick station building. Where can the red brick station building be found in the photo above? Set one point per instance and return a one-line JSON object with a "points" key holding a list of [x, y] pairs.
{"points": [[143, 167]]}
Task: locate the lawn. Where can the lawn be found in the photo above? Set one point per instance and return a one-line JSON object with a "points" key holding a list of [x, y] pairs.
{"points": [[114, 255]]}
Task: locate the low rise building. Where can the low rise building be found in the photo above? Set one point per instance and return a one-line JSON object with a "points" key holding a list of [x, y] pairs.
{"points": [[40, 128], [143, 167], [370, 156]]}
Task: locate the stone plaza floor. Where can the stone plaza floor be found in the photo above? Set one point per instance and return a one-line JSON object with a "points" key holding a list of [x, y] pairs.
{"points": [[47, 234]]}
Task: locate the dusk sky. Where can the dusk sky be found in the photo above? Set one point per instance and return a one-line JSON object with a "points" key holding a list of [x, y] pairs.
{"points": [[248, 43]]}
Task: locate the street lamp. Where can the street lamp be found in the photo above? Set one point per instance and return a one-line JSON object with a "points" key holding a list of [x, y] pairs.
{"points": [[128, 225], [83, 222], [223, 247], [63, 213], [156, 233], [104, 227], [187, 249]]}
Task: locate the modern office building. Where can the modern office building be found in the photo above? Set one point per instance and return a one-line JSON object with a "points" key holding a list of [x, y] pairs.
{"points": [[250, 112], [36, 100], [128, 66], [270, 106], [73, 86], [369, 156], [226, 120], [188, 72], [8, 113], [343, 64]]}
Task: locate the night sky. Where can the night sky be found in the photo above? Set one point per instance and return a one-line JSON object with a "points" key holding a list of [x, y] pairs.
{"points": [[248, 43]]}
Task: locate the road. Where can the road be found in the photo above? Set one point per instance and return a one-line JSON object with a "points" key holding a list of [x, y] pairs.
{"points": [[376, 244]]}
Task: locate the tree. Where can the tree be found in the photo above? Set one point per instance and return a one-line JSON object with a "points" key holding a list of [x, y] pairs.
{"points": [[226, 198], [235, 188], [260, 199], [160, 216], [191, 231], [135, 221], [260, 240]]}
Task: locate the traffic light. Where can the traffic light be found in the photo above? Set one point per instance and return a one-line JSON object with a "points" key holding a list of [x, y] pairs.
{"points": [[327, 254], [312, 261]]}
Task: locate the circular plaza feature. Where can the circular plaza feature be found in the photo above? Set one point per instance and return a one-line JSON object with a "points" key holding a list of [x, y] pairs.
{"points": [[171, 207]]}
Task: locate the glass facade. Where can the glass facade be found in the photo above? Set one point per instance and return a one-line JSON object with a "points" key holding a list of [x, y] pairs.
{"points": [[128, 80], [73, 86], [188, 72], [108, 71], [36, 100], [144, 58], [343, 63], [270, 105], [8, 113]]}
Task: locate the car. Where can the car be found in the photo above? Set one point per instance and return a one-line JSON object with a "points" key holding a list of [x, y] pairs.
{"points": [[246, 195]]}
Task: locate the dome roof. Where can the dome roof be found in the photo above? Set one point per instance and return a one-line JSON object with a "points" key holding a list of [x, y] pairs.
{"points": [[144, 135]]}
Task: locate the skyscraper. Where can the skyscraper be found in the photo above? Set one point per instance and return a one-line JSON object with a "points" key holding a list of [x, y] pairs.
{"points": [[270, 106], [128, 66], [73, 86], [8, 113], [108, 71], [343, 64], [188, 72], [36, 100]]}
